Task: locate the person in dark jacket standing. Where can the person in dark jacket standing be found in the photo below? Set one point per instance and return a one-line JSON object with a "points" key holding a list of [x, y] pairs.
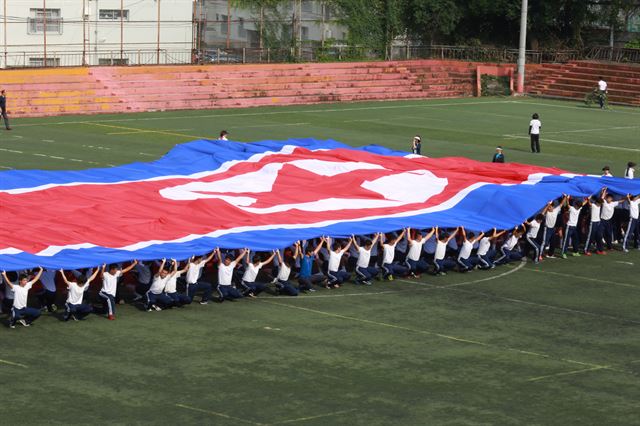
{"points": [[3, 107], [498, 157]]}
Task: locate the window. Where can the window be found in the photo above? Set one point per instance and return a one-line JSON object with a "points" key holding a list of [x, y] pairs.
{"points": [[115, 61], [242, 32], [39, 62], [307, 6], [304, 33], [114, 14], [224, 24], [40, 17]]}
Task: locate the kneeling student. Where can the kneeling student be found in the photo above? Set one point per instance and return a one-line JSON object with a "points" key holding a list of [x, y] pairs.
{"points": [[171, 287], [250, 286], [20, 310], [365, 273], [155, 298], [283, 286], [226, 290], [74, 308]]}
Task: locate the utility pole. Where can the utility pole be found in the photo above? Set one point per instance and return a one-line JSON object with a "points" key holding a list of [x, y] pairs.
{"points": [[228, 24], [5, 33], [158, 42], [44, 25], [523, 46], [84, 33], [121, 31]]}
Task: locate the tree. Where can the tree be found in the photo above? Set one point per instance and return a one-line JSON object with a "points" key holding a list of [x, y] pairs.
{"points": [[264, 9]]}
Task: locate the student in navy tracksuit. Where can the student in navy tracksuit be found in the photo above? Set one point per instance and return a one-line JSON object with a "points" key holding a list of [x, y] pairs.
{"points": [[193, 278], [509, 248], [74, 308], [251, 287], [226, 265], [109, 286], [414, 260], [365, 272], [283, 285], [440, 258], [606, 215], [48, 295], [306, 278], [389, 267], [336, 275], [571, 229], [532, 236], [20, 312], [485, 252], [594, 234], [632, 233], [465, 263]]}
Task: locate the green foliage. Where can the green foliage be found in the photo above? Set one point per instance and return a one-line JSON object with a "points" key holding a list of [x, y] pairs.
{"points": [[633, 44], [492, 85]]}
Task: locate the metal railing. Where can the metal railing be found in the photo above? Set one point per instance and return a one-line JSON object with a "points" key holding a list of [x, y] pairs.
{"points": [[613, 54], [482, 54]]}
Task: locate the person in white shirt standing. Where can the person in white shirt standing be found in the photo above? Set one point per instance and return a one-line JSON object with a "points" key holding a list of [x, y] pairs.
{"points": [[20, 312], [606, 214], [594, 234], [602, 92], [630, 171], [74, 308], [226, 265], [110, 285], [550, 219], [571, 230], [534, 132], [633, 230], [532, 236]]}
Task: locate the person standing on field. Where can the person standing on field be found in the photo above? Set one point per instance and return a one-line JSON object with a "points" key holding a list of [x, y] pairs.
{"points": [[602, 92], [3, 109], [534, 131]]}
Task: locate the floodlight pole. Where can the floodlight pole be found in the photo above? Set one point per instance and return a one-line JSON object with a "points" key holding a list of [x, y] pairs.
{"points": [[523, 46]]}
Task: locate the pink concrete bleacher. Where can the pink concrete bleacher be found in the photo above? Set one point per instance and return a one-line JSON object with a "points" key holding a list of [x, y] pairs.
{"points": [[152, 88]]}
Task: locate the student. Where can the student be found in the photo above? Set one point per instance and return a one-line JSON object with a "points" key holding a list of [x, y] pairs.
{"points": [[3, 109], [534, 131], [48, 295], [306, 277], [442, 240], [602, 91], [414, 256], [571, 229], [632, 232], [155, 298], [74, 308], [171, 286], [336, 275], [416, 145], [606, 171], [223, 135], [365, 272], [509, 248], [606, 214], [485, 252], [250, 287], [630, 171], [464, 255], [226, 265], [389, 267], [594, 234], [550, 220], [498, 157], [532, 235], [283, 286], [109, 286], [144, 276], [20, 312], [194, 283]]}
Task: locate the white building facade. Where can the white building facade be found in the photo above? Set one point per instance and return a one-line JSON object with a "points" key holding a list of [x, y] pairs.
{"points": [[95, 32]]}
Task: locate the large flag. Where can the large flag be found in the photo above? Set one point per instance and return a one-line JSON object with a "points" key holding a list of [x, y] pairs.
{"points": [[262, 195]]}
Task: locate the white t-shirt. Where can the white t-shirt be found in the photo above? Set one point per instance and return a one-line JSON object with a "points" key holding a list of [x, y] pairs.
{"points": [[511, 242], [595, 212], [48, 279], [602, 85], [441, 250], [364, 257], [633, 208], [465, 251], [574, 214], [251, 272], [608, 209], [484, 246], [284, 272], [110, 282], [172, 283], [225, 273], [20, 295], [535, 125], [334, 260], [76, 292], [534, 228], [389, 253], [551, 216], [194, 272], [158, 284], [629, 173], [414, 250]]}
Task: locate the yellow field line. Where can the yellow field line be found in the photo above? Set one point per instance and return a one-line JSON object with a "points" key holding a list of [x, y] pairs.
{"points": [[568, 373], [214, 413], [302, 419], [15, 364]]}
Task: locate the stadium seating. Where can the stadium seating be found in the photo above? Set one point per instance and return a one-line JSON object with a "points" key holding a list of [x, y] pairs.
{"points": [[574, 79], [136, 89]]}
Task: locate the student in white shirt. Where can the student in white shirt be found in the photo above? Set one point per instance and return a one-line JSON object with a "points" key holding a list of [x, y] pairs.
{"points": [[20, 312], [144, 276], [223, 136], [251, 287], [193, 278], [155, 297], [571, 229], [509, 248], [74, 308], [534, 132], [594, 234], [485, 252], [602, 92], [365, 272], [439, 258], [464, 255], [549, 229], [336, 275], [606, 214], [283, 285], [389, 267], [226, 265], [629, 172], [414, 260], [110, 285], [532, 236], [633, 229], [171, 287], [606, 171]]}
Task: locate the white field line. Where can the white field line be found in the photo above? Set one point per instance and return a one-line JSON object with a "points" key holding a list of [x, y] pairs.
{"points": [[586, 278], [591, 145], [55, 157], [593, 130]]}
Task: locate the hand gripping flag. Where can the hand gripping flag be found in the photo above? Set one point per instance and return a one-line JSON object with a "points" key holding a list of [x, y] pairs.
{"points": [[263, 196]]}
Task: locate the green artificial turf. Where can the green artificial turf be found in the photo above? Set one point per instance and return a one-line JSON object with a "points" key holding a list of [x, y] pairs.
{"points": [[550, 344]]}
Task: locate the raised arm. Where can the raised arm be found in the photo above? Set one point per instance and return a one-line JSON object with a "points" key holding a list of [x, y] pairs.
{"points": [[130, 267], [279, 257], [430, 234], [208, 258], [298, 250], [319, 246], [241, 255], [164, 261], [64, 277], [355, 243], [348, 245], [216, 251], [375, 239], [38, 275], [273, 254], [453, 234], [463, 233], [328, 241], [92, 277], [7, 280]]}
